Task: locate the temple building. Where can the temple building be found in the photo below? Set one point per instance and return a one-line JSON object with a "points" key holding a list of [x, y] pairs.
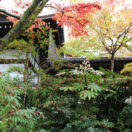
{"points": [[10, 57]]}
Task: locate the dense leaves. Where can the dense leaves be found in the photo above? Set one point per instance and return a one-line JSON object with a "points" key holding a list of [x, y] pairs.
{"points": [[77, 100], [75, 16], [13, 115]]}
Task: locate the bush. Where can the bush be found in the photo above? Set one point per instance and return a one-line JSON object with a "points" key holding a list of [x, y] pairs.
{"points": [[74, 97], [112, 102], [127, 69], [78, 100], [13, 115]]}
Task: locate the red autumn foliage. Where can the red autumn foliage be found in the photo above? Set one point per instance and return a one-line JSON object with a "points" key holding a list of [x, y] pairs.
{"points": [[36, 112], [37, 24], [75, 16], [19, 7]]}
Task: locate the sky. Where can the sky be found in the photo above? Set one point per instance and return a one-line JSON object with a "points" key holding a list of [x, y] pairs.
{"points": [[10, 3]]}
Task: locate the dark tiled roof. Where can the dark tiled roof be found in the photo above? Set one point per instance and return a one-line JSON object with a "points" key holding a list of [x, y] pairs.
{"points": [[46, 17], [102, 62], [3, 19], [103, 59]]}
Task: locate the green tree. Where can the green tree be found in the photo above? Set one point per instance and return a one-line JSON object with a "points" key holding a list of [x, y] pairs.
{"points": [[110, 31], [113, 28]]}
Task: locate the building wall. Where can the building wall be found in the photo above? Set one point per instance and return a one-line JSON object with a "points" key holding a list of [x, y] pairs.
{"points": [[9, 58], [5, 67]]}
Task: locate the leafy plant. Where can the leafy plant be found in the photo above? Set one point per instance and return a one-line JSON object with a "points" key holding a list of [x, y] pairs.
{"points": [[13, 116]]}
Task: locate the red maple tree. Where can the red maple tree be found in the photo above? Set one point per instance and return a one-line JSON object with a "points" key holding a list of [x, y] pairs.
{"points": [[17, 12], [75, 16], [72, 15]]}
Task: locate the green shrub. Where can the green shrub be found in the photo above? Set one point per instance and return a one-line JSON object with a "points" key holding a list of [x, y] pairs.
{"points": [[13, 116], [127, 69], [77, 100]]}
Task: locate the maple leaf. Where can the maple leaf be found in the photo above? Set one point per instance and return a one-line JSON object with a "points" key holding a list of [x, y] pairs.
{"points": [[74, 16]]}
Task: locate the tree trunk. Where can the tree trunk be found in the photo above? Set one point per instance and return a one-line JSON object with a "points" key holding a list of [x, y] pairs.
{"points": [[112, 63], [26, 67], [24, 23]]}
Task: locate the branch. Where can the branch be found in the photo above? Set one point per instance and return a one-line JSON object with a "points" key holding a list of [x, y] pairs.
{"points": [[107, 30], [112, 48], [123, 33], [128, 40], [102, 41], [53, 7], [124, 36], [9, 14], [24, 23], [106, 47]]}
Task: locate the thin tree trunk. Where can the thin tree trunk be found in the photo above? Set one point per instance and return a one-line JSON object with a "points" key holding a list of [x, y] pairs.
{"points": [[26, 75], [26, 67], [112, 63]]}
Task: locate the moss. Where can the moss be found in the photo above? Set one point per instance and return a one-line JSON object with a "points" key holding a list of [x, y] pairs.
{"points": [[127, 69]]}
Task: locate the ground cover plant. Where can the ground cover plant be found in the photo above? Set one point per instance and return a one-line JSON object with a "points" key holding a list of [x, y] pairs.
{"points": [[75, 100]]}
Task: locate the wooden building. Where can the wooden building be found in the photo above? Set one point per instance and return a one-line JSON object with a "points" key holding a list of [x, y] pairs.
{"points": [[103, 62], [5, 25], [7, 60], [10, 57]]}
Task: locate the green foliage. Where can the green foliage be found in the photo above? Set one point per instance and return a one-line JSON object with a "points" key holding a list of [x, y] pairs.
{"points": [[81, 47], [127, 69], [71, 101], [13, 116], [17, 69], [125, 116], [66, 109], [92, 91]]}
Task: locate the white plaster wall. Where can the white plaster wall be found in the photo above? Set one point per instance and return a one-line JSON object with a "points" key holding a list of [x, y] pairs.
{"points": [[5, 67], [12, 54]]}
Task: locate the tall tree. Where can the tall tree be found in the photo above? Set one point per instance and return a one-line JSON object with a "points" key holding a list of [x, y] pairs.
{"points": [[32, 10], [113, 28], [76, 17], [110, 29]]}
